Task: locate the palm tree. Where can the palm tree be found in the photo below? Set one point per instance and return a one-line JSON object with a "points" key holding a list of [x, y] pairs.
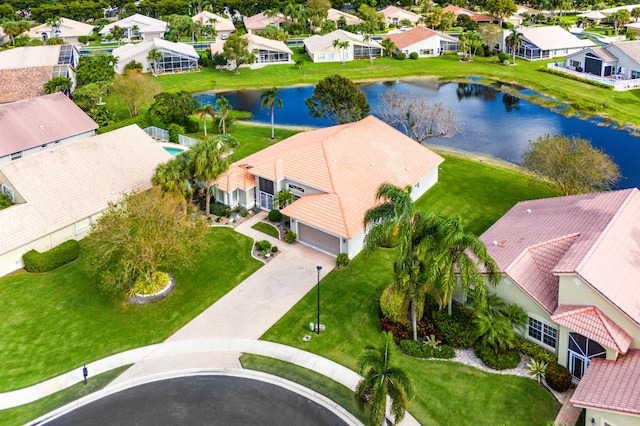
{"points": [[635, 13], [368, 38], [54, 22], [154, 56], [172, 176], [494, 330], [270, 99], [454, 257], [208, 160], [223, 107], [283, 198], [514, 41], [134, 30], [389, 46], [203, 111], [381, 379], [342, 46]]}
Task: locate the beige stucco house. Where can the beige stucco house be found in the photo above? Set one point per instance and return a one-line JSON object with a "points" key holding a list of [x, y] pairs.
{"points": [[267, 51], [59, 194], [223, 26], [396, 16], [572, 263], [68, 29], [138, 25], [423, 41], [176, 57], [334, 173]]}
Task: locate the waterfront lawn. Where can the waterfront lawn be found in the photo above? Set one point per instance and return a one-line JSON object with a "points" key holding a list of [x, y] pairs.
{"points": [[56, 321], [253, 138]]}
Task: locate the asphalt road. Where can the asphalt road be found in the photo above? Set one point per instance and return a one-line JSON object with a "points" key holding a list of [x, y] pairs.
{"points": [[202, 400]]}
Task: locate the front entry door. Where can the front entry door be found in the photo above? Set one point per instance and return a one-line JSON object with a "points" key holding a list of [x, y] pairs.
{"points": [[581, 351]]}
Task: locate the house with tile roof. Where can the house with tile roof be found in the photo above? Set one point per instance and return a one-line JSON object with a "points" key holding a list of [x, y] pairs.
{"points": [[257, 23], [425, 42], [223, 26], [396, 16], [176, 57], [25, 70], [34, 126], [620, 59], [60, 193], [478, 17], [334, 173], [267, 51], [321, 49], [138, 26], [338, 16], [68, 30], [545, 43], [572, 263]]}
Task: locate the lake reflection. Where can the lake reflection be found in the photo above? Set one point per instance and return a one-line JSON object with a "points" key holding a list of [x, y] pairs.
{"points": [[496, 124]]}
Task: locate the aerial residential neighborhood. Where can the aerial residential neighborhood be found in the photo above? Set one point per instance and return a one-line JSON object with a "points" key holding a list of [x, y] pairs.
{"points": [[316, 212]]}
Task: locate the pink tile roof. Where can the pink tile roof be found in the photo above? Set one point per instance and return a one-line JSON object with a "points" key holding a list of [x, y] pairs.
{"points": [[23, 83], [260, 21], [347, 162], [603, 229], [611, 385], [592, 323], [33, 122], [457, 10], [414, 35]]}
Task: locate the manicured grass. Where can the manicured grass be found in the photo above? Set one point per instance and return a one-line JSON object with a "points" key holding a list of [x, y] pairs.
{"points": [[28, 412], [618, 106], [267, 229], [255, 138], [333, 390], [51, 323]]}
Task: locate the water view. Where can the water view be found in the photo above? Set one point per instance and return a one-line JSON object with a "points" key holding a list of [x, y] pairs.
{"points": [[495, 124]]}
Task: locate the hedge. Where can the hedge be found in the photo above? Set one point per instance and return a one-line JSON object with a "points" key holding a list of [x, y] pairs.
{"points": [[499, 361], [576, 78], [420, 350], [558, 377], [534, 351], [34, 261]]}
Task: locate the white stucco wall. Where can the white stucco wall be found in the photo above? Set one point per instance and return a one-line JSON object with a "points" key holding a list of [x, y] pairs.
{"points": [[432, 43], [604, 418], [46, 147]]}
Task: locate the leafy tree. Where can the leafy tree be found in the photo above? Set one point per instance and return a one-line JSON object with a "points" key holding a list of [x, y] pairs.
{"points": [[218, 60], [372, 18], [95, 68], [381, 378], [467, 23], [236, 50], [14, 29], [117, 33], [620, 18], [342, 46], [368, 38], [491, 34], [571, 163], [154, 57], [501, 8], [173, 107], [269, 99], [514, 41], [275, 33], [208, 159], [338, 99], [635, 13], [58, 84], [88, 96], [447, 21], [144, 233], [389, 46], [134, 90], [203, 111]]}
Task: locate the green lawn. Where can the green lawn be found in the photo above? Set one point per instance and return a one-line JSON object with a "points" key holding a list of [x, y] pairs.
{"points": [[266, 228], [25, 413], [53, 322]]}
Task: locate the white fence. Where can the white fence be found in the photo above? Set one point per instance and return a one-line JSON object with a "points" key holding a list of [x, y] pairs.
{"points": [[618, 84], [162, 134]]}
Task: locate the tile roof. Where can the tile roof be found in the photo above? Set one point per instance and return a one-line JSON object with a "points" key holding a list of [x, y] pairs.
{"points": [[318, 43], [601, 52], [554, 37], [260, 21], [131, 50], [611, 385], [145, 23], [347, 162], [23, 83], [629, 48], [334, 15], [603, 228], [415, 35], [592, 323], [220, 23], [38, 121], [391, 12], [68, 28], [72, 182], [262, 43]]}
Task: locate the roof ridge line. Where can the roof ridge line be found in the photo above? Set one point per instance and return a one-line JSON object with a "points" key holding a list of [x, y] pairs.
{"points": [[529, 248], [603, 318]]}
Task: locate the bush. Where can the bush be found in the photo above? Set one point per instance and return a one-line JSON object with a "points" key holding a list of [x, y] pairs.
{"points": [[576, 78], [5, 201], [275, 215], [219, 209], [458, 329], [399, 330], [499, 361], [503, 57], [133, 66], [558, 377], [83, 39], [480, 51], [413, 55], [149, 284], [342, 260], [34, 261], [392, 304], [263, 245], [192, 125], [420, 350], [401, 56], [274, 249], [175, 130], [536, 352], [290, 236]]}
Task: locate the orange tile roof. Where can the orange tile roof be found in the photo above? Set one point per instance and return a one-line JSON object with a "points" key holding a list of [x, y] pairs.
{"points": [[414, 35], [611, 385], [604, 229], [347, 162], [592, 323]]}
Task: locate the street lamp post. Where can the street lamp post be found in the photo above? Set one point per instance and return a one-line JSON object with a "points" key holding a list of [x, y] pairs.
{"points": [[319, 268]]}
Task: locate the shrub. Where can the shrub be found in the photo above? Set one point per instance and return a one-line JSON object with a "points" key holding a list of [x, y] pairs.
{"points": [[34, 261], [503, 57], [342, 260], [400, 331], [192, 125], [537, 369], [290, 236], [83, 39], [420, 350], [558, 377], [219, 209], [149, 284], [5, 201], [392, 304], [458, 329], [401, 56], [480, 51], [413, 55], [175, 130], [133, 66], [499, 361], [263, 245], [274, 249], [536, 352], [576, 78], [275, 215], [244, 213]]}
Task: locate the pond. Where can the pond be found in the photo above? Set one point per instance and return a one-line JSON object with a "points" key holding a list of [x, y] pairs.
{"points": [[495, 124]]}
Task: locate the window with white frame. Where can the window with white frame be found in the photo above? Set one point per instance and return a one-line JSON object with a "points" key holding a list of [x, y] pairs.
{"points": [[83, 225], [542, 332], [9, 193], [426, 52], [296, 190], [574, 64]]}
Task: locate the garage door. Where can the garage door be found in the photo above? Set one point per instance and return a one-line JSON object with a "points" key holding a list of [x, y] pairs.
{"points": [[316, 238]]}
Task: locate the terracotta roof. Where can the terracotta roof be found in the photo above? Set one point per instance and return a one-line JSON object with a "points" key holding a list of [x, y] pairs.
{"points": [[415, 35], [479, 17], [23, 83], [592, 323], [611, 385], [334, 15], [391, 12], [72, 182], [457, 10], [38, 121], [260, 21], [604, 229], [68, 28], [347, 162], [220, 23]]}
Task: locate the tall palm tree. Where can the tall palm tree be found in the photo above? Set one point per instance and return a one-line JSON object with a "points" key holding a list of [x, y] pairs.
{"points": [[453, 257], [154, 56], [368, 38], [269, 99], [202, 112], [54, 22], [381, 379], [173, 176], [389, 46], [342, 46], [209, 159], [223, 107], [514, 41]]}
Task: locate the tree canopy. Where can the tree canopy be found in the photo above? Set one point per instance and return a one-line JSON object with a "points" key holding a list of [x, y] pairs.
{"points": [[95, 68], [173, 107], [572, 164], [338, 99], [236, 50]]}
